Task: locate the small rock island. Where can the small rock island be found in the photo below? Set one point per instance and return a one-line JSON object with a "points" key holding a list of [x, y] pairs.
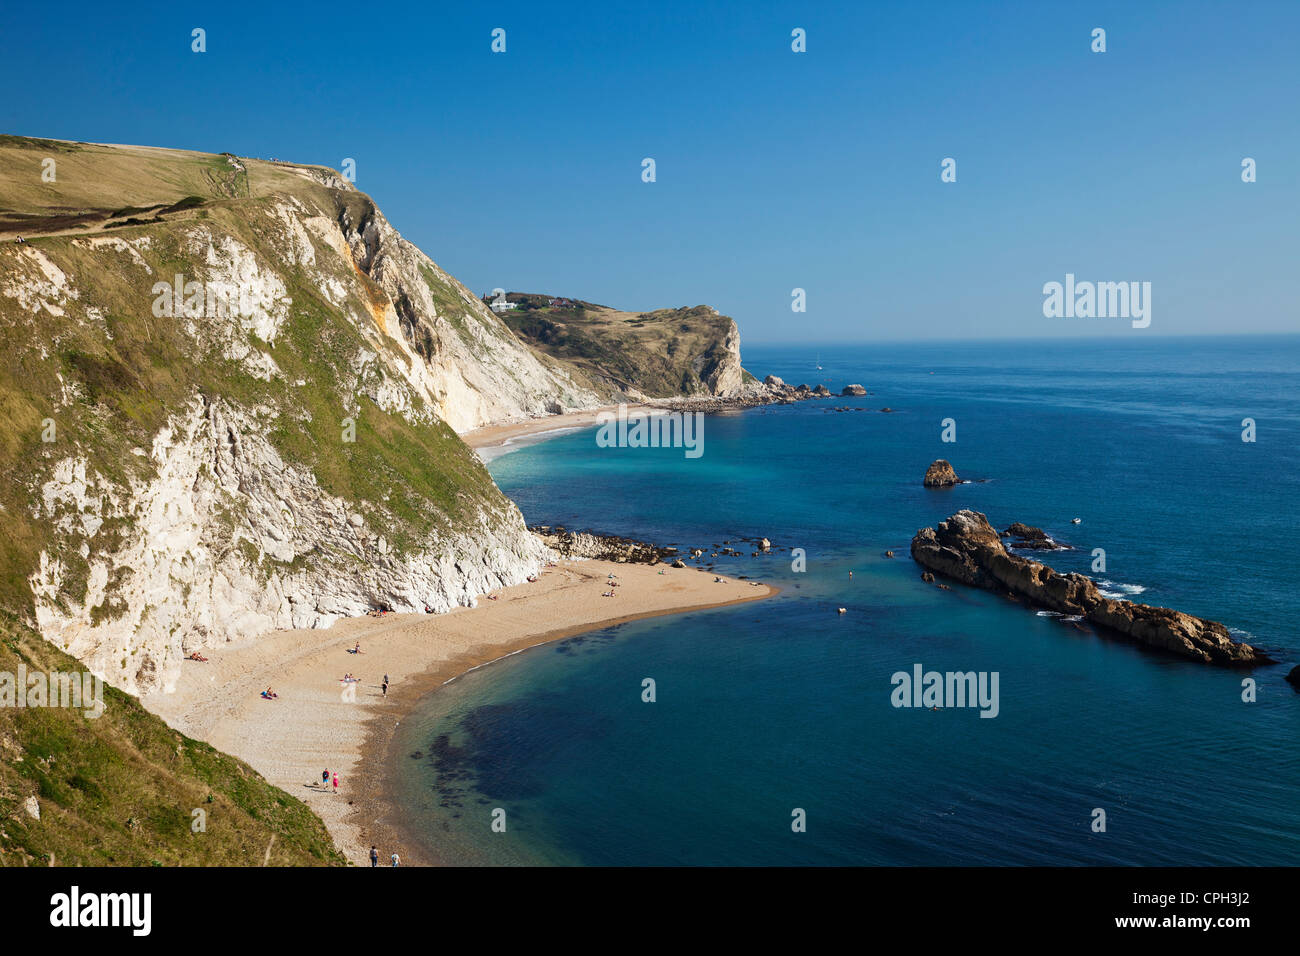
{"points": [[940, 474]]}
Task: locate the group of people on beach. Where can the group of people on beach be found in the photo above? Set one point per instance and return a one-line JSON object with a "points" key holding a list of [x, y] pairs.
{"points": [[325, 780], [374, 857]]}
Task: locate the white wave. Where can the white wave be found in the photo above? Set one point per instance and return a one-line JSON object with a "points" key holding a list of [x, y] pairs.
{"points": [[1058, 616], [1117, 591]]}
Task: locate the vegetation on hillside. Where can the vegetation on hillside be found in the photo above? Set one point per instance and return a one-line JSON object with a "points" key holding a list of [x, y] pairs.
{"points": [[122, 789], [110, 384], [659, 354]]}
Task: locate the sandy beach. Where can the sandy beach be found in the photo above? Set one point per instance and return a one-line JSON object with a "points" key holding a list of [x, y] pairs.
{"points": [[491, 441], [311, 727]]}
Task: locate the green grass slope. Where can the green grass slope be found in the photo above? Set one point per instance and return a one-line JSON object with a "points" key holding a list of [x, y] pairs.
{"points": [[121, 789]]}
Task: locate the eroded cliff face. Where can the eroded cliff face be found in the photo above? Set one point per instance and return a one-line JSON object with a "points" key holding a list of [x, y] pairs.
{"points": [[238, 416], [476, 369], [226, 539], [967, 549], [720, 368], [665, 354]]}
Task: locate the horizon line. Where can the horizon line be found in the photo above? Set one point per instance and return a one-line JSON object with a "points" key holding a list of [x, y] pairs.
{"points": [[1166, 337]]}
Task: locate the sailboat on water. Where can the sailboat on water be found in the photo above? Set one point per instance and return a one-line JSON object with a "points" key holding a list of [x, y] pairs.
{"points": [[819, 361]]}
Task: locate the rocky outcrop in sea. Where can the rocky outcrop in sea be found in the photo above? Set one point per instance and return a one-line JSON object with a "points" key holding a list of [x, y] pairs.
{"points": [[1028, 538], [966, 548], [940, 474], [771, 391]]}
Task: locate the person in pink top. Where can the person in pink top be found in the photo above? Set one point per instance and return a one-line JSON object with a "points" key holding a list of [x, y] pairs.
{"points": [[336, 782]]}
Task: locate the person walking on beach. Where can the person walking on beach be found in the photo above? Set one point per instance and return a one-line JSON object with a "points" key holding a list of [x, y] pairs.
{"points": [[336, 781], [325, 778], [385, 685], [374, 855]]}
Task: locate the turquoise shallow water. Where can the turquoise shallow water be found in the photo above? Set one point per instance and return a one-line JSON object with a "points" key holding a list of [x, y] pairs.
{"points": [[785, 704]]}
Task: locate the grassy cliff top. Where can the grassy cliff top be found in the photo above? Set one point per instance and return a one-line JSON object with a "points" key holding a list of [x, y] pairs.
{"points": [[97, 185]]}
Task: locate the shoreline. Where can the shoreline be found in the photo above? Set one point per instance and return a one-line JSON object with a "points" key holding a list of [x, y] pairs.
{"points": [[292, 739], [500, 438], [378, 815], [493, 441]]}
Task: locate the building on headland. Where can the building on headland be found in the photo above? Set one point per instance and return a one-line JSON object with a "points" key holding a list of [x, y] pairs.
{"points": [[499, 303]]}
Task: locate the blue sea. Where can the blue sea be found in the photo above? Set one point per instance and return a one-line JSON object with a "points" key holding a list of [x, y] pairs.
{"points": [[783, 705]]}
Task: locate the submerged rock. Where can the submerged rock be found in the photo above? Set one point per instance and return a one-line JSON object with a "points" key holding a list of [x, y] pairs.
{"points": [[967, 549], [1029, 538]]}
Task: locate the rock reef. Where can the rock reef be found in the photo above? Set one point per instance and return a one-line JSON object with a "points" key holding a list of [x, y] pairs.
{"points": [[966, 548], [1028, 538], [605, 547]]}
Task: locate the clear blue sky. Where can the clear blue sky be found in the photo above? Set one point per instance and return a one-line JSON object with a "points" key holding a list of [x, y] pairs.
{"points": [[775, 170]]}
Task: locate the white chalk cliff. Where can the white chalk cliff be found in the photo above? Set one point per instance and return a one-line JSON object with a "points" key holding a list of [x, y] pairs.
{"points": [[183, 473], [233, 393]]}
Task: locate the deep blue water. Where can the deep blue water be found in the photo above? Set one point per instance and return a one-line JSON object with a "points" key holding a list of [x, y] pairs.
{"points": [[785, 704]]}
